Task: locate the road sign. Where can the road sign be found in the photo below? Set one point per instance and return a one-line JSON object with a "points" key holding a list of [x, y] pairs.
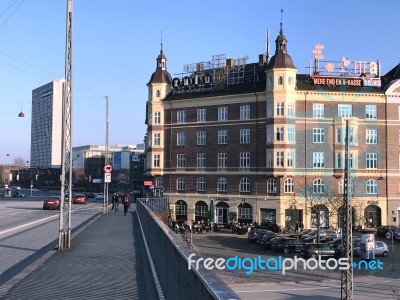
{"points": [[107, 177], [107, 168]]}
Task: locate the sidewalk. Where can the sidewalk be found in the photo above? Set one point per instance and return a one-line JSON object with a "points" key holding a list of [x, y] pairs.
{"points": [[107, 260]]}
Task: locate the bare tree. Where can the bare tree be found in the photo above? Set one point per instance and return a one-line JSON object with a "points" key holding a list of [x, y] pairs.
{"points": [[19, 162]]}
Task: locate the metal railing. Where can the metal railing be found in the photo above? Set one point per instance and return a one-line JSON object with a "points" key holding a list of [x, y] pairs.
{"points": [[170, 257]]}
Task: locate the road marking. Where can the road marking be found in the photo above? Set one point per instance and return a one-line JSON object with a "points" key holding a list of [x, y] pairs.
{"points": [[41, 220]]}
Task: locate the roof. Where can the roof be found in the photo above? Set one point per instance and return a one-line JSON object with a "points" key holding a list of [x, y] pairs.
{"points": [[281, 60], [160, 76]]}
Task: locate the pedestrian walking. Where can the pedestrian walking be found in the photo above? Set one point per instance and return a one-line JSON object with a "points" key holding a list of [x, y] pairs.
{"points": [[117, 202], [113, 199], [126, 203]]}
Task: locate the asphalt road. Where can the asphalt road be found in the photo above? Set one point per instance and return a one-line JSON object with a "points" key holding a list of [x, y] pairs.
{"points": [[27, 231], [296, 284]]}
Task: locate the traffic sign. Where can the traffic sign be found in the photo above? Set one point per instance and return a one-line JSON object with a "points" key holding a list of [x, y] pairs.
{"points": [[107, 177], [107, 168]]}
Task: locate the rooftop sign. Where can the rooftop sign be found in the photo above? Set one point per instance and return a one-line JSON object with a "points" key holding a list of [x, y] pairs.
{"points": [[344, 72]]}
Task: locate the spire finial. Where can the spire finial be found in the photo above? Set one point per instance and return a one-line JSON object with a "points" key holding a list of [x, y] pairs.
{"points": [[281, 30], [161, 51]]}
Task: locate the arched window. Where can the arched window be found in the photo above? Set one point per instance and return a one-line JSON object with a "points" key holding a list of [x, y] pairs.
{"points": [[318, 186], [244, 185], [289, 185], [201, 184], [222, 184], [180, 184], [341, 187], [158, 93], [280, 80], [372, 187], [271, 185]]}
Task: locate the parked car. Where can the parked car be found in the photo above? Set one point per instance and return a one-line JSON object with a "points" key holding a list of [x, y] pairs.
{"points": [[397, 233], [254, 234], [381, 249], [269, 226], [265, 240], [319, 250], [17, 195], [385, 231], [51, 203], [99, 196], [79, 199], [287, 245]]}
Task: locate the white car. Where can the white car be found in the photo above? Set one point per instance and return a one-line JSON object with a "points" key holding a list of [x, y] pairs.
{"points": [[99, 196], [381, 249]]}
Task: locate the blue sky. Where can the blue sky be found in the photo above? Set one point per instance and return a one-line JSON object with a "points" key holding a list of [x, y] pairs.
{"points": [[116, 44]]}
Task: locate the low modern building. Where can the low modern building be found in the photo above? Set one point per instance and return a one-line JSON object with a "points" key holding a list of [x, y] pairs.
{"points": [[262, 142]]}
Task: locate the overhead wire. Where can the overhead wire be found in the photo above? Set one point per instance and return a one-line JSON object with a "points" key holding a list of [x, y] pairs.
{"points": [[12, 13]]}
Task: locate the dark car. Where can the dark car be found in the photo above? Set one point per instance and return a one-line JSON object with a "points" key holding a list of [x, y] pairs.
{"points": [[319, 250], [79, 199], [51, 203], [382, 230], [18, 195], [269, 226], [255, 234], [265, 240], [287, 245]]}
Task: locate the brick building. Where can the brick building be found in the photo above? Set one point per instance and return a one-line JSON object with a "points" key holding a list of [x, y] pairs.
{"points": [[264, 143]]}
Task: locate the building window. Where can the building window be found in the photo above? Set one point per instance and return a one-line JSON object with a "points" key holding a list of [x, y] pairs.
{"points": [[201, 115], [158, 93], [244, 185], [181, 116], [157, 139], [181, 138], [319, 135], [370, 112], [201, 211], [372, 160], [270, 134], [222, 184], [372, 187], [318, 160], [318, 110], [341, 187], [279, 159], [271, 185], [156, 160], [288, 185], [280, 107], [269, 159], [244, 112], [201, 138], [279, 134], [245, 160], [290, 109], [181, 184], [291, 134], [201, 160], [157, 117], [318, 186], [201, 184], [338, 160], [222, 137], [245, 136], [222, 160], [280, 80], [372, 136], [345, 110], [270, 109], [290, 80], [222, 113], [290, 156], [181, 160]]}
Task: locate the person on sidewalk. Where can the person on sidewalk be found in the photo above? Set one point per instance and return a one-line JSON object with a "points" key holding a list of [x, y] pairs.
{"points": [[113, 199], [126, 203], [117, 202]]}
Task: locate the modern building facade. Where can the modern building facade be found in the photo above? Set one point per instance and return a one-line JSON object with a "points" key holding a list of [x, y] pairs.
{"points": [[46, 125], [261, 142]]}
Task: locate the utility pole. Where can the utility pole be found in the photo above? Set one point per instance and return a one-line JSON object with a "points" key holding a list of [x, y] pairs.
{"points": [[105, 201], [347, 226], [64, 238]]}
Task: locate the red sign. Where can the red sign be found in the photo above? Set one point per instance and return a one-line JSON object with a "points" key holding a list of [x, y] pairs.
{"points": [[107, 168], [147, 183]]}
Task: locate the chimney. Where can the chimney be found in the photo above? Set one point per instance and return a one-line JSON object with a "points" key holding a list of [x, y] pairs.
{"points": [[262, 59], [230, 62]]}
